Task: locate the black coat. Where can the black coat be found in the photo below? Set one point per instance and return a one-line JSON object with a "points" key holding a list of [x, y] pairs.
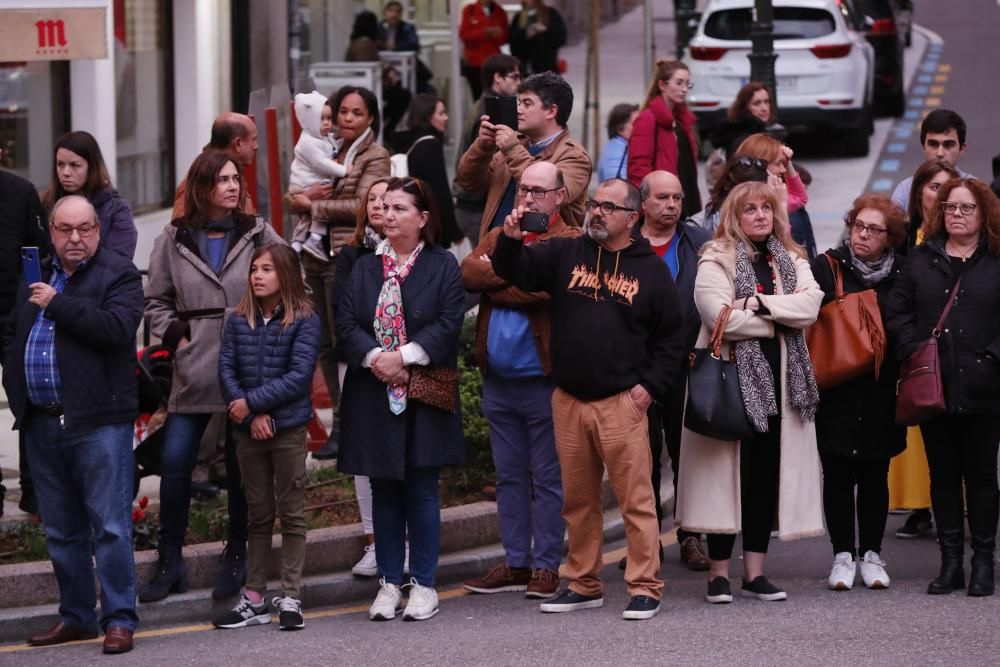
{"points": [[970, 342], [541, 52], [426, 162], [345, 261], [732, 133], [857, 418], [22, 223], [375, 442], [96, 317]]}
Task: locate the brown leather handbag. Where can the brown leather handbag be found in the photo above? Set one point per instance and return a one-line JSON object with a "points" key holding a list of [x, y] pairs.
{"points": [[920, 390], [848, 338], [436, 386]]}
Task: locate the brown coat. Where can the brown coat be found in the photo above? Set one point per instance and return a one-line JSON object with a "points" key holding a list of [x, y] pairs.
{"points": [[340, 212], [478, 276], [487, 172]]}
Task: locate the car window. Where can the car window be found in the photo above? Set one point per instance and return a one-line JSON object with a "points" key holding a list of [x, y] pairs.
{"points": [[874, 8], [789, 23]]}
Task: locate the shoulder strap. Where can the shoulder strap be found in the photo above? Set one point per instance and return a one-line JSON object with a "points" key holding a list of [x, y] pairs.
{"points": [[718, 330], [618, 171], [947, 309], [426, 136], [838, 277]]}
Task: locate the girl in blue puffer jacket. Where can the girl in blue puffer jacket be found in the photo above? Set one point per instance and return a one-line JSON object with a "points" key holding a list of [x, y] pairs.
{"points": [[266, 365]]}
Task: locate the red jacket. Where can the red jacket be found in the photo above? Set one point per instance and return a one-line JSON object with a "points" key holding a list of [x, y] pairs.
{"points": [[478, 45], [654, 130]]}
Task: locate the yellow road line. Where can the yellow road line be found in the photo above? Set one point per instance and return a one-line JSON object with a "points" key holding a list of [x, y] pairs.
{"points": [[944, 68], [932, 101], [666, 539], [936, 90], [940, 78]]}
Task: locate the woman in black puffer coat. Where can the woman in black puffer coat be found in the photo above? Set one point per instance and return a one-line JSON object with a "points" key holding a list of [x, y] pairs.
{"points": [[855, 427], [962, 241]]}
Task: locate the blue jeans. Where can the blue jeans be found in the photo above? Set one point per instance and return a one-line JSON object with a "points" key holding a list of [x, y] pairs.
{"points": [[529, 482], [408, 505], [181, 441], [84, 482]]}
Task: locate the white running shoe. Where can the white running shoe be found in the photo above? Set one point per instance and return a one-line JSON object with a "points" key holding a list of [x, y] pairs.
{"points": [[388, 602], [368, 565], [843, 572], [873, 571], [423, 602]]}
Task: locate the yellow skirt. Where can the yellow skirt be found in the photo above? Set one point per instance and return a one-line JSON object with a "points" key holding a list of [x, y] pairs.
{"points": [[909, 477]]}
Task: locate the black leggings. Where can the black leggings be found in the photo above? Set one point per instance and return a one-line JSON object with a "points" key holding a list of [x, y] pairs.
{"points": [[841, 474], [760, 460]]}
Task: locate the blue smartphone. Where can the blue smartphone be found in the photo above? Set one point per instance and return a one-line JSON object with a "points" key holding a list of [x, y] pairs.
{"points": [[31, 265]]}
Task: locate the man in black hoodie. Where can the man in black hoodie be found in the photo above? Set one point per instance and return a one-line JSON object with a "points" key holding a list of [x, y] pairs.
{"points": [[617, 338]]}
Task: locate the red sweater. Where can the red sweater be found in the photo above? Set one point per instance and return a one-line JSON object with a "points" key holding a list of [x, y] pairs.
{"points": [[654, 128], [478, 45]]}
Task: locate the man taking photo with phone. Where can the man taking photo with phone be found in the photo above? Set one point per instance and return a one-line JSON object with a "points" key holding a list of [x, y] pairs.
{"points": [[496, 160], [617, 338], [512, 350]]}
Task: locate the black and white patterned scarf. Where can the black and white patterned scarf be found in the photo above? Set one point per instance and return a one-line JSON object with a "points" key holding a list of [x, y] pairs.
{"points": [[756, 379]]}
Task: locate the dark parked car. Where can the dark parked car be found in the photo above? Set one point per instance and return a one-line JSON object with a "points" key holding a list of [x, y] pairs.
{"points": [[883, 22]]}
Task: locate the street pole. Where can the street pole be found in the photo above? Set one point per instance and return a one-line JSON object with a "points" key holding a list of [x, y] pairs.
{"points": [[762, 55], [684, 10], [648, 47]]}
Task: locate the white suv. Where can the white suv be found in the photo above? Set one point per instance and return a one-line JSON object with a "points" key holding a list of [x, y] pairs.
{"points": [[824, 70]]}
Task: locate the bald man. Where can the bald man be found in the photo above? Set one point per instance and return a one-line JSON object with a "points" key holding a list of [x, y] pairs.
{"points": [[677, 242], [232, 133], [512, 335]]}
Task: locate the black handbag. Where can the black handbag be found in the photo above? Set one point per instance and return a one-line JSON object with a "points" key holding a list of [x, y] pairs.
{"points": [[714, 398]]}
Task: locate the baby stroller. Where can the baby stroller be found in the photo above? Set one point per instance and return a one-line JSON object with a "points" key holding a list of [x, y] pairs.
{"points": [[155, 371]]}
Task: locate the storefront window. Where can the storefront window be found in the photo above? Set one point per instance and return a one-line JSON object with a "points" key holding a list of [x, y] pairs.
{"points": [[30, 118], [144, 85]]}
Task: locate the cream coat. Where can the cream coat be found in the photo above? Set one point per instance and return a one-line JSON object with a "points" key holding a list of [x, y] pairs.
{"points": [[708, 488]]}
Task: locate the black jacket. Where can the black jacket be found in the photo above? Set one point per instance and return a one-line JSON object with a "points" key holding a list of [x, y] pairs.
{"points": [[541, 52], [375, 442], [610, 330], [732, 133], [96, 318], [426, 162], [970, 341], [690, 239], [346, 258], [22, 223], [857, 418]]}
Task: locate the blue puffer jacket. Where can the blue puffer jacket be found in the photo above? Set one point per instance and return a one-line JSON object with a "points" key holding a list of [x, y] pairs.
{"points": [[271, 366]]}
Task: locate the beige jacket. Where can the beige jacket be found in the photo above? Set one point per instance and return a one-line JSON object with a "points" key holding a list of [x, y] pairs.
{"points": [[708, 487], [487, 172]]}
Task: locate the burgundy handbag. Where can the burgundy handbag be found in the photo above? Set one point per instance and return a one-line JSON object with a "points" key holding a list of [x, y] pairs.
{"points": [[920, 391]]}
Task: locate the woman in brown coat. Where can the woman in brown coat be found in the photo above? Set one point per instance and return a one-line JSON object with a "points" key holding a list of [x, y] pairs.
{"points": [[197, 273], [357, 128]]}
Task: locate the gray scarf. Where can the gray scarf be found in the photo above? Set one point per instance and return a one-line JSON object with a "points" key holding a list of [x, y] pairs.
{"points": [[756, 379], [872, 273]]}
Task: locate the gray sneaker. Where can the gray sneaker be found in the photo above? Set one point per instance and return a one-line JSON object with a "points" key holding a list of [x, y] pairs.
{"points": [[244, 614]]}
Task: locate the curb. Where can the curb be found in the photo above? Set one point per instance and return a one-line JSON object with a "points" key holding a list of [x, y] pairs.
{"points": [[469, 545]]}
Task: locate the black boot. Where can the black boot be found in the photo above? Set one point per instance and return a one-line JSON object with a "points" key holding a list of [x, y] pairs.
{"points": [[983, 514], [951, 538], [234, 571], [170, 577]]}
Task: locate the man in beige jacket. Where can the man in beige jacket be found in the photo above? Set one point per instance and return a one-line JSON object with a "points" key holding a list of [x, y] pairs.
{"points": [[498, 157]]}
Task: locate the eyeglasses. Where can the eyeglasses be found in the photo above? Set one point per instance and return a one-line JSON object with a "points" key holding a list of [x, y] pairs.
{"points": [[513, 76], [752, 163], [872, 230], [950, 208], [606, 207], [683, 84], [66, 231], [538, 194]]}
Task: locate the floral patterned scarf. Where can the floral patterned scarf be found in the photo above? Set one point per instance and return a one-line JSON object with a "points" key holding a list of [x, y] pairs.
{"points": [[390, 321]]}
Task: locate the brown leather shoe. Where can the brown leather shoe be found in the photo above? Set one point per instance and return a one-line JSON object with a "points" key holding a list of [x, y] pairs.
{"points": [[500, 579], [544, 584], [60, 634], [118, 640], [693, 555]]}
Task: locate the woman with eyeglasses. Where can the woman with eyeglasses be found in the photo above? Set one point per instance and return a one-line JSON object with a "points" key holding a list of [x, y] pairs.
{"points": [[739, 168], [197, 273], [855, 424], [727, 487], [961, 251], [663, 135], [402, 313]]}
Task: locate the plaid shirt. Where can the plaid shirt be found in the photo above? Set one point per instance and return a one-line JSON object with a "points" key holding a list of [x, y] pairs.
{"points": [[41, 369]]}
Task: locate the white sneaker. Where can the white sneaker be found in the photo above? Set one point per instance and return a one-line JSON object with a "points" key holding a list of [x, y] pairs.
{"points": [[423, 603], [843, 572], [388, 602], [367, 566], [873, 571]]}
